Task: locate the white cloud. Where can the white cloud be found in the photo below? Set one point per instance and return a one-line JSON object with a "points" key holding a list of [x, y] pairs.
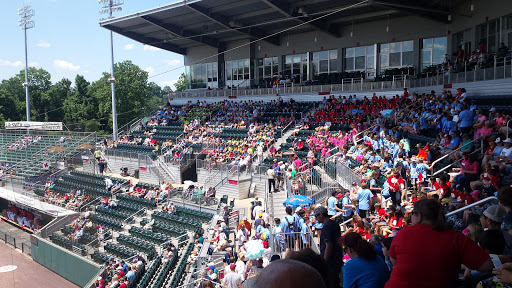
{"points": [[33, 64], [64, 65], [151, 48], [43, 44], [150, 70], [10, 63], [169, 83], [129, 46], [174, 62]]}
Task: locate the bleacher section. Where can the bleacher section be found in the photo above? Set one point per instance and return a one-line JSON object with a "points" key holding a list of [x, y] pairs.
{"points": [[28, 161]]}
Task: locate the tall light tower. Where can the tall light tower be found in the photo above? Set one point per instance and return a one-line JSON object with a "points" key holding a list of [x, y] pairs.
{"points": [[108, 7], [25, 23]]}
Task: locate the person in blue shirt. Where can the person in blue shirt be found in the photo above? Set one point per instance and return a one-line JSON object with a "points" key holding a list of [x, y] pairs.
{"points": [[305, 234], [286, 227], [346, 207], [364, 269], [130, 276], [465, 122], [331, 204], [364, 196], [454, 143]]}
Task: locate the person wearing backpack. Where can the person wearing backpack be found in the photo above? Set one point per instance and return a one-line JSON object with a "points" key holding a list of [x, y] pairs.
{"points": [[288, 228]]}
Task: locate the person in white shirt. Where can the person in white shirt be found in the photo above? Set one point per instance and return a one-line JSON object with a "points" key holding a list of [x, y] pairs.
{"points": [[259, 151], [242, 235], [108, 184], [265, 216], [257, 210], [240, 265], [232, 279]]}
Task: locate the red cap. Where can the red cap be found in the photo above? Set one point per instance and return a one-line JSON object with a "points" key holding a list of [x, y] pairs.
{"points": [[265, 244], [339, 195], [232, 266]]}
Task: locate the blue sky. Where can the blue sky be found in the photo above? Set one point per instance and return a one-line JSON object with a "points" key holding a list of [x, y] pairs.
{"points": [[67, 40]]}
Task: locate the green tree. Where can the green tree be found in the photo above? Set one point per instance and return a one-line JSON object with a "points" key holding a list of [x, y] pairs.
{"points": [[54, 100], [181, 84], [40, 83], [79, 107], [133, 94]]}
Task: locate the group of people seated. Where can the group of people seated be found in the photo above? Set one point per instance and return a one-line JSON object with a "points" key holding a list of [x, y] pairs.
{"points": [[121, 273], [23, 142], [72, 200], [23, 216]]}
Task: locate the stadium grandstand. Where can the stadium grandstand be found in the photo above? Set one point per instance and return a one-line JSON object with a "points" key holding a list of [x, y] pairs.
{"points": [[369, 140]]}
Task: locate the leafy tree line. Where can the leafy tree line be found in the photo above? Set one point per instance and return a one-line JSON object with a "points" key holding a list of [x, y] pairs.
{"points": [[84, 106]]}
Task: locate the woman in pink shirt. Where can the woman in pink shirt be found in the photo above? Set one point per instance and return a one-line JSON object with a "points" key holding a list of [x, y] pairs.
{"points": [[484, 131]]}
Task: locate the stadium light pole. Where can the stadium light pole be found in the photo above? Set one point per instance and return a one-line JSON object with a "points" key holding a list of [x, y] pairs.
{"points": [[26, 23], [108, 7]]}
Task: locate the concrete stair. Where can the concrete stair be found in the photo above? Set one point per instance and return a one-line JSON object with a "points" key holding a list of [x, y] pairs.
{"points": [[117, 163], [278, 199]]}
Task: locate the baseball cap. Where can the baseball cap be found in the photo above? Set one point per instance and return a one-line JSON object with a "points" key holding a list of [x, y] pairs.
{"points": [[492, 109], [232, 266], [320, 210], [339, 195], [496, 213], [508, 140], [298, 209]]}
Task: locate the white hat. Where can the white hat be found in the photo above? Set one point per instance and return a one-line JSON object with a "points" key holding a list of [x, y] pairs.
{"points": [[508, 140], [298, 209], [492, 109]]}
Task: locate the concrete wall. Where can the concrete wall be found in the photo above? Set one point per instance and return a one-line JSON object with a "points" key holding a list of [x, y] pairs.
{"points": [[63, 262], [400, 29]]}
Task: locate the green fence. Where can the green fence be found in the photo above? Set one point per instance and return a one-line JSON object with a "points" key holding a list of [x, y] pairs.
{"points": [[71, 266]]}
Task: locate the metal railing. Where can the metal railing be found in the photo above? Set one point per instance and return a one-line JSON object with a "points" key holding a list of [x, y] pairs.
{"points": [[472, 205], [293, 241], [354, 138], [508, 127], [352, 84], [287, 127], [26, 249], [461, 145], [477, 74]]}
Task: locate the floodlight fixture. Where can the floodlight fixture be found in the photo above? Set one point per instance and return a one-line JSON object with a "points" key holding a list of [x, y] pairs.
{"points": [[109, 7], [25, 22]]}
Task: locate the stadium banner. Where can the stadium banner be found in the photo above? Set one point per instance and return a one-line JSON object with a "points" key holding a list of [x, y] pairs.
{"points": [[34, 125]]}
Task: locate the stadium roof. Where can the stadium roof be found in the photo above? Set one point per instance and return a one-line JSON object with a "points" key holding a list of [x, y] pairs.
{"points": [[181, 25]]}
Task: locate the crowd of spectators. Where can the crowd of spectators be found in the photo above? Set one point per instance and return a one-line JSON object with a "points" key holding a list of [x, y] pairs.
{"points": [[23, 142], [397, 192], [121, 273], [71, 200]]}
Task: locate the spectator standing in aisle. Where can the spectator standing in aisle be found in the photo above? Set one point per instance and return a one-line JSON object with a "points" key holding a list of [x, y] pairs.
{"points": [[271, 174], [331, 204], [329, 248], [97, 154], [101, 166]]}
